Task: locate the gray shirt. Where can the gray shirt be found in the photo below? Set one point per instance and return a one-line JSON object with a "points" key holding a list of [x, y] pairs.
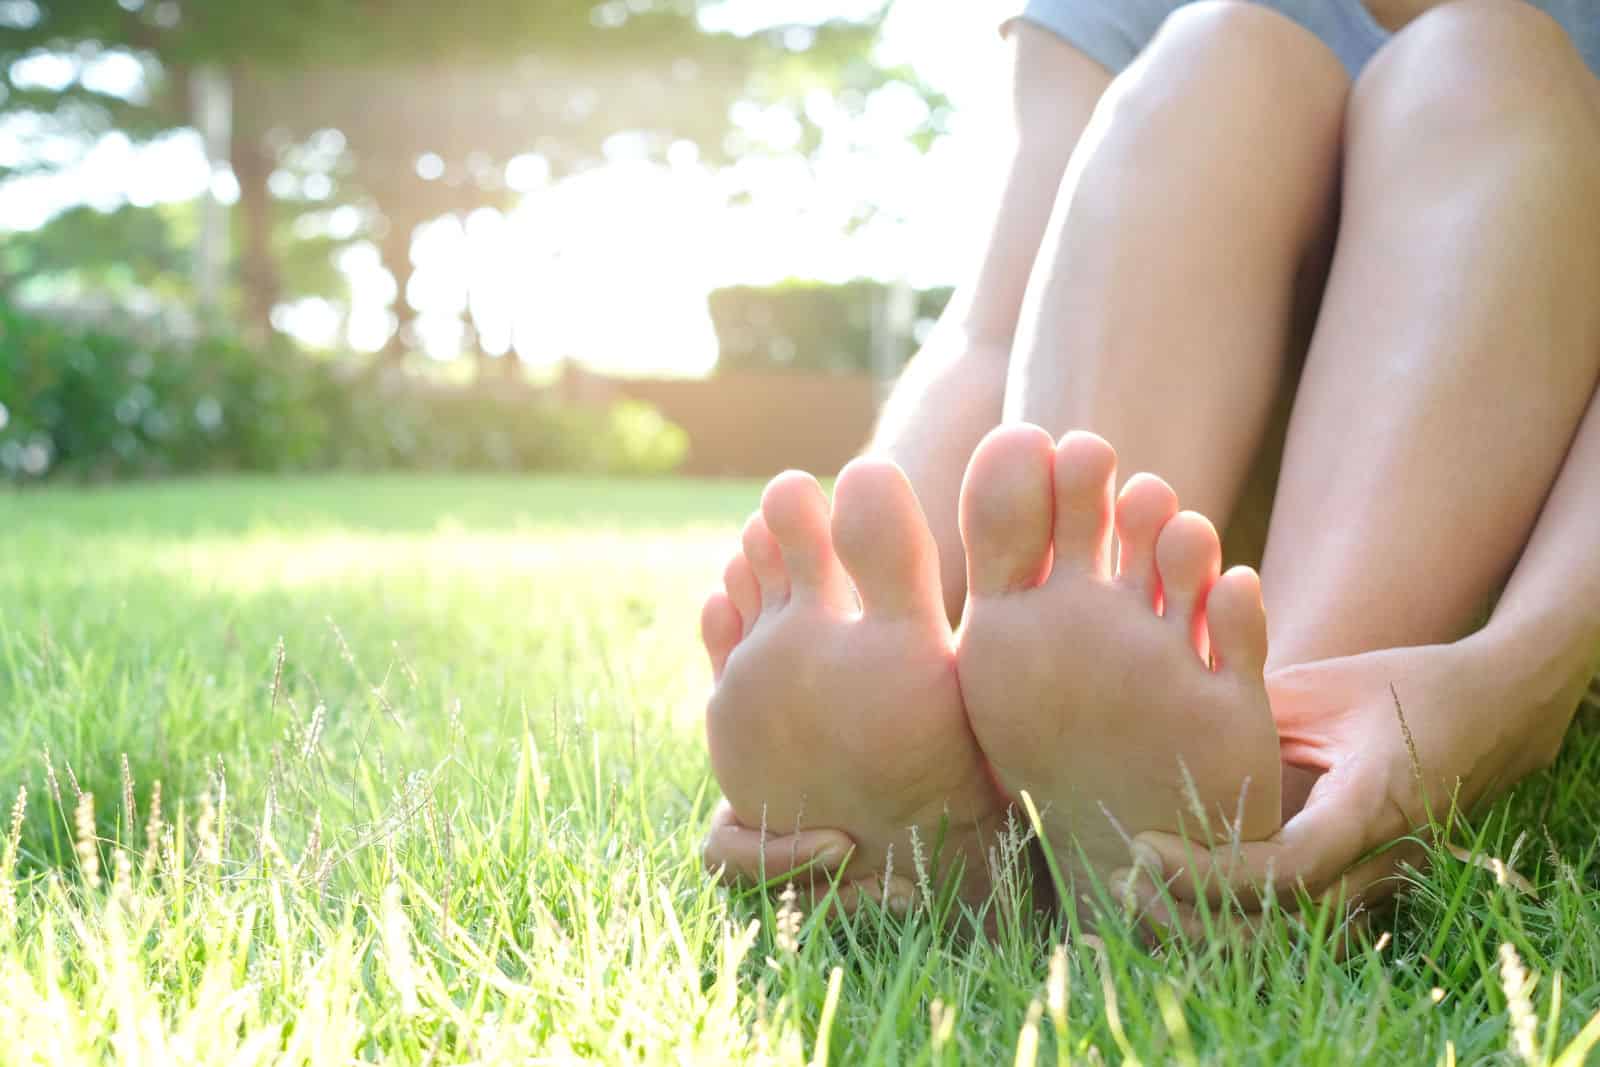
{"points": [[1112, 32]]}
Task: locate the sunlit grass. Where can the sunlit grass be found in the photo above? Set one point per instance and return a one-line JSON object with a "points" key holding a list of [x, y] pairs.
{"points": [[457, 820]]}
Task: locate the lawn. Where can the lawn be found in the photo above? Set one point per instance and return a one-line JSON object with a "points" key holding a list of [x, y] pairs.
{"points": [[411, 770]]}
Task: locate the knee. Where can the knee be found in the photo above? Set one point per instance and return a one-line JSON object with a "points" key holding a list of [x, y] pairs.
{"points": [[1479, 69], [1236, 61]]}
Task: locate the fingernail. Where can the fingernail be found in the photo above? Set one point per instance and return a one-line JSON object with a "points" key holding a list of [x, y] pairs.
{"points": [[1121, 884], [1147, 858], [829, 856]]}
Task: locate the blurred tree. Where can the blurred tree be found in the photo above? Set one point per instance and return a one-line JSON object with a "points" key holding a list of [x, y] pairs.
{"points": [[84, 251], [430, 101], [812, 327]]}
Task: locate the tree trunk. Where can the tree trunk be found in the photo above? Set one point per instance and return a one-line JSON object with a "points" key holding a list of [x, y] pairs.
{"points": [[395, 252], [211, 112], [252, 166]]}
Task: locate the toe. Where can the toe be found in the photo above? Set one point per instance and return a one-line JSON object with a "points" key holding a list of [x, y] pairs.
{"points": [[1006, 509], [766, 562], [720, 629], [884, 541], [1146, 505], [1085, 474], [797, 514], [1237, 623], [1188, 557], [739, 582]]}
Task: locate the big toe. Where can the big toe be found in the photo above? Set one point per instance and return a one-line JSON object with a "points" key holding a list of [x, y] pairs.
{"points": [[797, 513], [1237, 622], [1188, 557], [1085, 474], [883, 538], [1006, 509]]}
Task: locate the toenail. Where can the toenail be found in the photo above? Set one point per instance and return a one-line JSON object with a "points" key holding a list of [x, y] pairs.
{"points": [[900, 904]]}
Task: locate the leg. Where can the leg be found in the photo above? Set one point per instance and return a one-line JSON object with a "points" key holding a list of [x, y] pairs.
{"points": [[1459, 339], [947, 400], [1159, 313], [950, 396], [1104, 686]]}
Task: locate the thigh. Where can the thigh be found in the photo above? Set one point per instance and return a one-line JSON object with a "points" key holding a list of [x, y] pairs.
{"points": [[1159, 308]]}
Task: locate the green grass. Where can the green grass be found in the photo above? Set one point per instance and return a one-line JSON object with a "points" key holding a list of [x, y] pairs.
{"points": [[460, 823]]}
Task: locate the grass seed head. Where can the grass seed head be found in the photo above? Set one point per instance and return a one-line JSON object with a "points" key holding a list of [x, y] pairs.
{"points": [[50, 778], [130, 814], [313, 731], [152, 824], [1056, 988], [942, 1024], [8, 862], [278, 656], [121, 878], [919, 863], [397, 949], [786, 933], [19, 811], [87, 848], [1518, 985], [205, 831]]}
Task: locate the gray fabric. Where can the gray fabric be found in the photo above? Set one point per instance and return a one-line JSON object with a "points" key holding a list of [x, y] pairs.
{"points": [[1113, 32]]}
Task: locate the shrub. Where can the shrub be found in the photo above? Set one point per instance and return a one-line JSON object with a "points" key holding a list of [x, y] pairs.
{"points": [[806, 325], [89, 403]]}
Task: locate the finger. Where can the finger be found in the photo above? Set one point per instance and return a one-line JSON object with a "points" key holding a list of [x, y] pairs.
{"points": [[1162, 918], [1377, 879], [1152, 909], [740, 855], [895, 895], [1339, 823]]}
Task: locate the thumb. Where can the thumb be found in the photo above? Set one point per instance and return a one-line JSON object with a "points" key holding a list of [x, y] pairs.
{"points": [[1329, 835], [740, 855]]}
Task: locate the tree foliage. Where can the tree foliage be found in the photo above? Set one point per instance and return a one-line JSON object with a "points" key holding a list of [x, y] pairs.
{"points": [[808, 326], [470, 84]]}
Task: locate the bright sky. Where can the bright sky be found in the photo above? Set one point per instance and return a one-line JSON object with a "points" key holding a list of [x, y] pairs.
{"points": [[613, 267]]}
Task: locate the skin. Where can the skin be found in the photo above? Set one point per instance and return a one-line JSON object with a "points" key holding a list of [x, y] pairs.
{"points": [[1450, 384], [953, 391], [1122, 692], [951, 395], [831, 638], [1483, 419]]}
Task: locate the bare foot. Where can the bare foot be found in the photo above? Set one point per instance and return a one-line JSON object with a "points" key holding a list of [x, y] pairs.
{"points": [[1088, 684], [838, 712]]}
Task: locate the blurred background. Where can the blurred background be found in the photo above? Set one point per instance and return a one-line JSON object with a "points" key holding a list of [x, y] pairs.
{"points": [[609, 236]]}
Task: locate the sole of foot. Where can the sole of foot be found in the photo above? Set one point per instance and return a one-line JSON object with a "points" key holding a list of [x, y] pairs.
{"points": [[1125, 694], [836, 701]]}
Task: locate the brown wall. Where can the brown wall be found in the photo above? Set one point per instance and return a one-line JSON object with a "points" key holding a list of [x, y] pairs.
{"points": [[759, 424]]}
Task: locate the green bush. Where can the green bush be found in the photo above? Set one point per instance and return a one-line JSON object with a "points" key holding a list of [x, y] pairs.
{"points": [[641, 441], [805, 325], [89, 403]]}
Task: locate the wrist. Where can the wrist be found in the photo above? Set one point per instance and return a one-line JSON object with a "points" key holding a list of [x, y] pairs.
{"points": [[1536, 670]]}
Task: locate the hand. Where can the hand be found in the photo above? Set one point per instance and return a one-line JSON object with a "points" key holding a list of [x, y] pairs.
{"points": [[741, 856], [1470, 738]]}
